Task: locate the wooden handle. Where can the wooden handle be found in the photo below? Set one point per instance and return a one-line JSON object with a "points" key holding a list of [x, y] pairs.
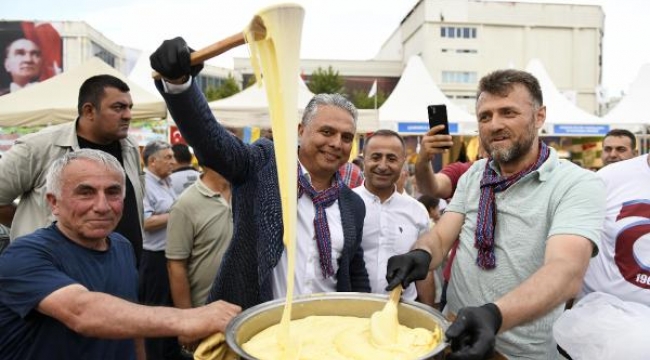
{"points": [[213, 50], [217, 48]]}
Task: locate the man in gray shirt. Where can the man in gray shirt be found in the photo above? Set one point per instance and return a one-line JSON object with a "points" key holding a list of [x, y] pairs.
{"points": [[527, 223], [154, 281]]}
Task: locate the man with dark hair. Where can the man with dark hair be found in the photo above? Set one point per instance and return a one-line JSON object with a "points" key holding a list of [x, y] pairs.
{"points": [[527, 223], [154, 280], [184, 173], [432, 204], [104, 108], [393, 220], [618, 145], [330, 215]]}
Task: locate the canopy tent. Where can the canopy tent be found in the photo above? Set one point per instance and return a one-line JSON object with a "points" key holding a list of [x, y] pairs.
{"points": [[405, 110], [562, 116], [250, 107], [631, 112], [141, 74], [54, 101]]}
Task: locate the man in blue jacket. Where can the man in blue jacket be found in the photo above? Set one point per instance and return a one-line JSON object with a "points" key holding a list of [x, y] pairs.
{"points": [[330, 215]]}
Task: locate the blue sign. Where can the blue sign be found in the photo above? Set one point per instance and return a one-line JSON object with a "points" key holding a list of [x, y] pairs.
{"points": [[421, 128], [580, 129]]}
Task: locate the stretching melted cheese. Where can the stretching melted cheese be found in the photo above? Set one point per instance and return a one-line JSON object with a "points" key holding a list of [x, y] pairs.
{"points": [[279, 57], [317, 337], [343, 337]]}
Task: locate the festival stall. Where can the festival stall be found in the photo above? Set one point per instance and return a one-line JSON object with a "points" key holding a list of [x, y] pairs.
{"points": [[631, 112], [54, 101], [405, 110], [250, 108], [563, 118]]}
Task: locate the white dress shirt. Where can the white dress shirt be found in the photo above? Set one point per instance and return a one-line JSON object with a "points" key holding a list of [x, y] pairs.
{"points": [[308, 277], [390, 228]]}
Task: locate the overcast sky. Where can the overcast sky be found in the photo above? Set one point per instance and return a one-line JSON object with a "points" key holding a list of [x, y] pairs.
{"points": [[333, 29]]}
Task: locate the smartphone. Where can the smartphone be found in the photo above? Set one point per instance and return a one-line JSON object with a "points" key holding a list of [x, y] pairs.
{"points": [[438, 116]]}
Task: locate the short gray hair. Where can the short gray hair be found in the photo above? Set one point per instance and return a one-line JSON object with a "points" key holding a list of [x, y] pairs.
{"points": [[337, 100], [53, 181], [153, 147]]}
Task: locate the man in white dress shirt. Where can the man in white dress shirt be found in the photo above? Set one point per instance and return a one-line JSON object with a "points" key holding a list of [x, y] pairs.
{"points": [[393, 220]]}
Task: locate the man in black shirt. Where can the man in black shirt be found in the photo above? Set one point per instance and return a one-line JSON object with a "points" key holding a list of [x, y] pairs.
{"points": [[104, 109]]}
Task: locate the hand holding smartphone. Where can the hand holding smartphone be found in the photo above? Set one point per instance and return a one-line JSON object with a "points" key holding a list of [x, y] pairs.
{"points": [[438, 116]]}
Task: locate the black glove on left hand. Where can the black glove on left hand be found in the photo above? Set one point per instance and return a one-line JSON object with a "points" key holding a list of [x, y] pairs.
{"points": [[172, 59], [406, 268], [473, 334]]}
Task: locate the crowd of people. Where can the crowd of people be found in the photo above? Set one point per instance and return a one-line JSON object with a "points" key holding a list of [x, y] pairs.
{"points": [[122, 255]]}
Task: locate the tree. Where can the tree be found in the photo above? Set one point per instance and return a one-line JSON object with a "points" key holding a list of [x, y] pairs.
{"points": [[252, 80], [361, 100], [326, 81], [227, 88]]}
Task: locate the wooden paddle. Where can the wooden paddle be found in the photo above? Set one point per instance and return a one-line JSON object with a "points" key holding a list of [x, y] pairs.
{"points": [[256, 27]]}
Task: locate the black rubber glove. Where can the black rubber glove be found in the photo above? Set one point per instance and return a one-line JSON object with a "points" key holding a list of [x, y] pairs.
{"points": [[406, 268], [473, 334], [172, 59]]}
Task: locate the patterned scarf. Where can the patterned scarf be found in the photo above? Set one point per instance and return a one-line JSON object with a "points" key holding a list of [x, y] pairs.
{"points": [[492, 183], [322, 200]]}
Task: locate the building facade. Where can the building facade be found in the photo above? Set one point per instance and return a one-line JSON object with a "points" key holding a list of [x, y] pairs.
{"points": [[67, 44], [462, 40]]}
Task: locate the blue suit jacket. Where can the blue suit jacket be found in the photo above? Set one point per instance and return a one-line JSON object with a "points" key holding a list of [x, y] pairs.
{"points": [[245, 274]]}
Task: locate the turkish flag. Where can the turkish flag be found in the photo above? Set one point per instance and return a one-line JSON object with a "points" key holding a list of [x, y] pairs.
{"points": [[175, 136]]}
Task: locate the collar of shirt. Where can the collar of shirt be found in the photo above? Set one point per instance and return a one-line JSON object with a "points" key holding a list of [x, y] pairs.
{"points": [[543, 172], [205, 190], [304, 172], [164, 182], [364, 189]]}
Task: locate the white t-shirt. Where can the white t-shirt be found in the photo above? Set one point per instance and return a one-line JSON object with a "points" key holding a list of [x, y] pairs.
{"points": [[390, 228], [622, 268]]}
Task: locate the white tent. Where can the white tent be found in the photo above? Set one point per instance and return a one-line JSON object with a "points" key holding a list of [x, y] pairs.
{"points": [[141, 74], [405, 110], [250, 107], [631, 112], [562, 116], [54, 101]]}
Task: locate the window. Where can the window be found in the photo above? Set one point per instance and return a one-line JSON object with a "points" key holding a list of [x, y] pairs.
{"points": [[459, 51], [103, 54], [458, 32], [459, 77], [466, 97]]}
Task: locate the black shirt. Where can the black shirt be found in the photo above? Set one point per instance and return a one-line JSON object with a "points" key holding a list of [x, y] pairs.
{"points": [[129, 225]]}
